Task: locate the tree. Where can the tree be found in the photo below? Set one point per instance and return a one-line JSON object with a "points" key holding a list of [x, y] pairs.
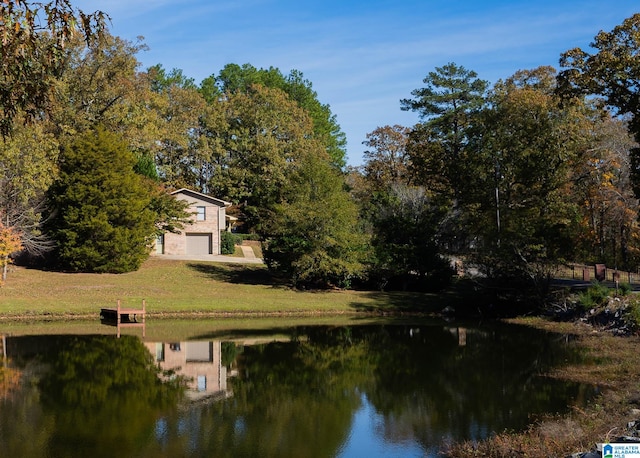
{"points": [[612, 72], [181, 160], [257, 147], [9, 244], [100, 208], [604, 193], [34, 36], [234, 78], [531, 144], [443, 149], [312, 235], [448, 103], [28, 166], [387, 160], [405, 240], [100, 84]]}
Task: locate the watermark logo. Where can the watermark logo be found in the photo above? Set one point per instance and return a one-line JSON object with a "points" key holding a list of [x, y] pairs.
{"points": [[627, 450]]}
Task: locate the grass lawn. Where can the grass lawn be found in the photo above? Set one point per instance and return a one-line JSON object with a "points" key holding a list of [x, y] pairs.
{"points": [[188, 287]]}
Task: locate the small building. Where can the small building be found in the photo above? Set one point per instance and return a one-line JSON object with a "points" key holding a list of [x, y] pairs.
{"points": [[202, 235]]}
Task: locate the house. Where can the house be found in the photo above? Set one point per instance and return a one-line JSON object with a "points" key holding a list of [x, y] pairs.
{"points": [[202, 235], [200, 362]]}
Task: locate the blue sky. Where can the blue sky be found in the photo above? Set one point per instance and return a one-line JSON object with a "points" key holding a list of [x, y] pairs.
{"points": [[362, 57]]}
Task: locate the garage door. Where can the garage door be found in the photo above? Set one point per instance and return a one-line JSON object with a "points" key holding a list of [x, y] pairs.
{"points": [[198, 243]]}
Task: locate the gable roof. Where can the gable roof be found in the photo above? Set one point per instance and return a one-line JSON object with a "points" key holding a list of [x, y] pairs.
{"points": [[200, 196]]}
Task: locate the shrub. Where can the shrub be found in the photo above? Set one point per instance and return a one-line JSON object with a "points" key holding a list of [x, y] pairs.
{"points": [[254, 237], [594, 296], [228, 242], [633, 314], [624, 289]]}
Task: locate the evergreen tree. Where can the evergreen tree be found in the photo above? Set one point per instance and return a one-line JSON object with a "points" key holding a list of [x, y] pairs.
{"points": [[443, 149], [100, 208]]}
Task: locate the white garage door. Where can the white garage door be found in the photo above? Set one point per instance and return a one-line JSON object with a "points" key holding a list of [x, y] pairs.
{"points": [[198, 243]]}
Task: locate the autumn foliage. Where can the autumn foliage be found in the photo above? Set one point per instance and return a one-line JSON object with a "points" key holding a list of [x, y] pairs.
{"points": [[9, 244]]}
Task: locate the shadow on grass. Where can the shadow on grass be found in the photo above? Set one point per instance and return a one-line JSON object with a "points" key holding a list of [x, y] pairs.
{"points": [[238, 274], [464, 297]]}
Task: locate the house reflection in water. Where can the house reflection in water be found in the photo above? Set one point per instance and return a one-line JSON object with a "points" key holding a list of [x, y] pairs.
{"points": [[200, 362]]}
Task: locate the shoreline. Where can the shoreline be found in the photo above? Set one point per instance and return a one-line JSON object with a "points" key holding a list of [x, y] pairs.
{"points": [[614, 367]]}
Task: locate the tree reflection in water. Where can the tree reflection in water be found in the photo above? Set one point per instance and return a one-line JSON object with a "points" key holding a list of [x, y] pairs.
{"points": [[324, 391], [105, 395]]}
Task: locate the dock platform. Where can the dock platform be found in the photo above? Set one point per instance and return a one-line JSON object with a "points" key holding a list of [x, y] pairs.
{"points": [[123, 317]]}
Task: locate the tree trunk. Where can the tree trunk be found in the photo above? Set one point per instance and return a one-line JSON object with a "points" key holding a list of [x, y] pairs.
{"points": [[5, 268]]}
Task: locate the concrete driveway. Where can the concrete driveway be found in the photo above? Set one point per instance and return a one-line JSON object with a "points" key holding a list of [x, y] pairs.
{"points": [[248, 258]]}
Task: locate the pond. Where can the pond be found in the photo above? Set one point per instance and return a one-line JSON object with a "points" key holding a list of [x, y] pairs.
{"points": [[339, 390]]}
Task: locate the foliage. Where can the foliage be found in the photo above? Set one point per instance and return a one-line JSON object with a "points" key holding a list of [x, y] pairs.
{"points": [[170, 214], [10, 243], [312, 235], [100, 85], [228, 242], [28, 166], [405, 229], [443, 149], [531, 143], [596, 295], [386, 160], [234, 78], [146, 166], [34, 36], [624, 289], [264, 137], [447, 104], [608, 230], [612, 72], [100, 208], [181, 151]]}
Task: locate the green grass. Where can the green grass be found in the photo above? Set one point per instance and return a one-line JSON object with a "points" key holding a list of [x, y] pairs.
{"points": [[187, 287]]}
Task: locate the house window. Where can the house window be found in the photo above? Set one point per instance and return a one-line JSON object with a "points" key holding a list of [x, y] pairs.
{"points": [[201, 214]]}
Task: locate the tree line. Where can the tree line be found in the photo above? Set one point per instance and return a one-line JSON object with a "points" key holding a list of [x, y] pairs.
{"points": [[513, 179]]}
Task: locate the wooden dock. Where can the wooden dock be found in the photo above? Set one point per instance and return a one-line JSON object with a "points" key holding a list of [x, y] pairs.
{"points": [[123, 317]]}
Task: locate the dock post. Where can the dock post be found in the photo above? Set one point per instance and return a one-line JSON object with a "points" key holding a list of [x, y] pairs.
{"points": [[118, 318]]}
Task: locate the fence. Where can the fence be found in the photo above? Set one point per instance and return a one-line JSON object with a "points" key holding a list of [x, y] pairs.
{"points": [[597, 272]]}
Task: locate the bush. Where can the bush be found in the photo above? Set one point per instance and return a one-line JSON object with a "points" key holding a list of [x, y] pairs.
{"points": [[624, 289], [254, 237], [228, 242], [594, 296]]}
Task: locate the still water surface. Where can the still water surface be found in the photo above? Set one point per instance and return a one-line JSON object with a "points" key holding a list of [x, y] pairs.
{"points": [[306, 391]]}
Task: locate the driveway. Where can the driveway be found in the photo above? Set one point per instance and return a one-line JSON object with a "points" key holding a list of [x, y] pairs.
{"points": [[248, 258]]}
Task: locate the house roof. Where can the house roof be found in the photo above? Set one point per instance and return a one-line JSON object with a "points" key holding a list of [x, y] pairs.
{"points": [[199, 195]]}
